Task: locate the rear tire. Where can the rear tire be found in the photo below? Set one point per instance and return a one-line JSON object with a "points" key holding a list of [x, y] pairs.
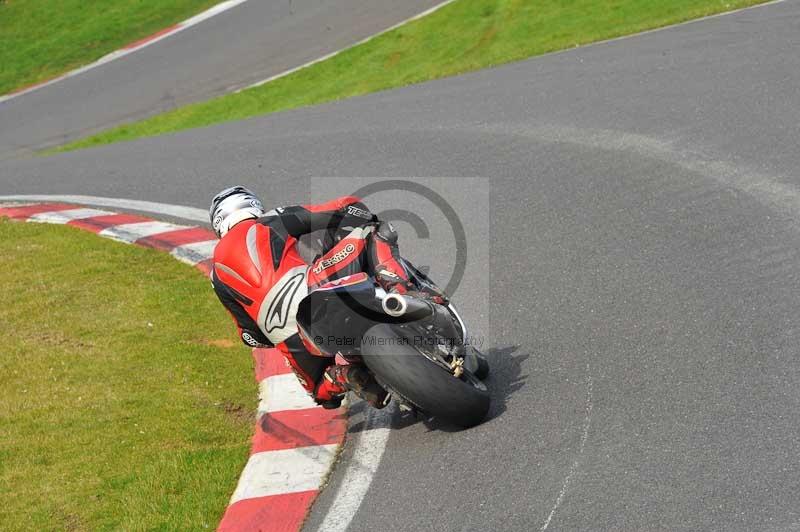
{"points": [[461, 401]]}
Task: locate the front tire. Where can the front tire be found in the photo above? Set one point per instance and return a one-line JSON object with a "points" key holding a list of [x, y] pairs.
{"points": [[461, 401]]}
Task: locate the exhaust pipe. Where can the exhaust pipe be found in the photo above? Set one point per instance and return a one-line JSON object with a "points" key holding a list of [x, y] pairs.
{"points": [[394, 305], [397, 305]]}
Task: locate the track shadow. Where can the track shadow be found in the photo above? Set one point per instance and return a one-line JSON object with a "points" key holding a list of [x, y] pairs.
{"points": [[268, 424], [505, 379], [354, 411]]}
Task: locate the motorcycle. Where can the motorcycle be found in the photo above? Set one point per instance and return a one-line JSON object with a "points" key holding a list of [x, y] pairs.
{"points": [[417, 349]]}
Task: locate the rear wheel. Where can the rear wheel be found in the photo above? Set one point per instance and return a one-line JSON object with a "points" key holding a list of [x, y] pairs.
{"points": [[392, 355]]}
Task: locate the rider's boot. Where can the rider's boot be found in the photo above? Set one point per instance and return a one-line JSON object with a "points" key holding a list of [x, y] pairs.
{"points": [[357, 379], [329, 392]]}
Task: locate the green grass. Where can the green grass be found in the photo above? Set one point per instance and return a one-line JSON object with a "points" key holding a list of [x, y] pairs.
{"points": [[124, 402], [463, 36], [40, 39]]}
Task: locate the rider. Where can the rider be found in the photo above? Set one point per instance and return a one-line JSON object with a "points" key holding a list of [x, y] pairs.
{"points": [[260, 277]]}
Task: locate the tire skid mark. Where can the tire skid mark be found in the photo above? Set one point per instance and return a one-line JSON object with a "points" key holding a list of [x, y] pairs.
{"points": [[587, 421], [767, 189]]}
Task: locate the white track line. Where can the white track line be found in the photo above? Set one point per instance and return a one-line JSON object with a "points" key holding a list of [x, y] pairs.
{"points": [[572, 470], [122, 52], [176, 211], [358, 476], [284, 471], [358, 43]]}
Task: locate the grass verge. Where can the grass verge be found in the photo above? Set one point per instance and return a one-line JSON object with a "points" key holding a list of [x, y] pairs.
{"points": [[123, 403], [40, 39], [463, 36]]}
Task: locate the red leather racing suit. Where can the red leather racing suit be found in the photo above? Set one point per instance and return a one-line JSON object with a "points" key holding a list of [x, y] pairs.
{"points": [[260, 276]]}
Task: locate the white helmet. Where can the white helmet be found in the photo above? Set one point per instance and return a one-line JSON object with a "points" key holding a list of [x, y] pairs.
{"points": [[232, 206]]}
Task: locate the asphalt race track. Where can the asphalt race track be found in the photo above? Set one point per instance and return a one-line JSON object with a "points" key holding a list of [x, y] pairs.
{"points": [[249, 43], [644, 309]]}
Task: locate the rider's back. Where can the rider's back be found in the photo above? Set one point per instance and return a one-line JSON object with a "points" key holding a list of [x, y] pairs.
{"points": [[263, 270]]}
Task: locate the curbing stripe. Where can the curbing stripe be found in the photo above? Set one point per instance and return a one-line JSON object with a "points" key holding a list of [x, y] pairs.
{"points": [[297, 428], [273, 513], [159, 209], [98, 223], [23, 212], [168, 241], [130, 233], [284, 471], [267, 365], [282, 392], [205, 266], [68, 215], [294, 443], [194, 253]]}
